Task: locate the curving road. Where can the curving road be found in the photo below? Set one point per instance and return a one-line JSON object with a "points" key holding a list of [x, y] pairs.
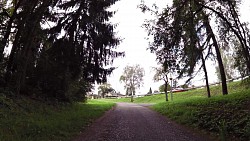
{"points": [[136, 122]]}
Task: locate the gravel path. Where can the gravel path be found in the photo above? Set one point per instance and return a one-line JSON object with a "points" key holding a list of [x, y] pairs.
{"points": [[135, 122]]}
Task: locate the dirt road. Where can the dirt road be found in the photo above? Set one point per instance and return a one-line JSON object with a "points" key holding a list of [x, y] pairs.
{"points": [[135, 122]]}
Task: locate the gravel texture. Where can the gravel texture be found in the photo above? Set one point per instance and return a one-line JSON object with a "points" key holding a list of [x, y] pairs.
{"points": [[136, 122]]}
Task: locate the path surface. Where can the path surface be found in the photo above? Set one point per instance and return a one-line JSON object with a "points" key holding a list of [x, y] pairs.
{"points": [[135, 122]]}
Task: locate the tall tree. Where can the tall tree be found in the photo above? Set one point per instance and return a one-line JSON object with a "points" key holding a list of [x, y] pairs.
{"points": [[227, 13], [58, 47], [132, 78], [184, 30]]}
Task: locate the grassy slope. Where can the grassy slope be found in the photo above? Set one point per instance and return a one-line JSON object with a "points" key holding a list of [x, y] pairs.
{"points": [[223, 115], [25, 119]]}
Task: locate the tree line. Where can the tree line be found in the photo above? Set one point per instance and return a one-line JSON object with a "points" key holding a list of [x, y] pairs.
{"points": [[55, 49], [187, 33]]}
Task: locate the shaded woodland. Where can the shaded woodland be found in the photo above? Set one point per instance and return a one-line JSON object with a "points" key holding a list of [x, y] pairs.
{"points": [[55, 49]]}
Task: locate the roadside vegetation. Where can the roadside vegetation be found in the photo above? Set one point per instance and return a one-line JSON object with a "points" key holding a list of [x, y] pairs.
{"points": [[24, 119], [227, 117]]}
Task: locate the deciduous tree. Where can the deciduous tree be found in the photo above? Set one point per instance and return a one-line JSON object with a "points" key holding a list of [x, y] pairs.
{"points": [[132, 78], [162, 74], [104, 89]]}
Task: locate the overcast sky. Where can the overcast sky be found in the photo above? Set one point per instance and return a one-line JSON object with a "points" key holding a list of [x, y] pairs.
{"points": [[130, 19]]}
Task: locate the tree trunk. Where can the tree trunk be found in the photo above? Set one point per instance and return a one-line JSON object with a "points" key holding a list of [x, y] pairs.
{"points": [[28, 44], [218, 54], [3, 42], [13, 53], [132, 95], [166, 90], [206, 77]]}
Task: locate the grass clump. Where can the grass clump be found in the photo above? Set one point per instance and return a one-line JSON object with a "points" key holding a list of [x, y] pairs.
{"points": [[24, 119]]}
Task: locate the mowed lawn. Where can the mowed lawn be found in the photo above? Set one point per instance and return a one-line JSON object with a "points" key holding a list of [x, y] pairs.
{"points": [[24, 119], [226, 117]]}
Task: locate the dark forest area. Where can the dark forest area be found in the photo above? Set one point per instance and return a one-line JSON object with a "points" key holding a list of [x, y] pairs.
{"points": [[55, 49]]}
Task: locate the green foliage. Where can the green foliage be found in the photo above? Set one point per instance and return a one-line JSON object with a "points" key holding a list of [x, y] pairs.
{"points": [[162, 88], [25, 119], [132, 78], [56, 53], [105, 89]]}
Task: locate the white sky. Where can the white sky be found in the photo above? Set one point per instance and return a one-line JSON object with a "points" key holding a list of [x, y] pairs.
{"points": [[130, 20]]}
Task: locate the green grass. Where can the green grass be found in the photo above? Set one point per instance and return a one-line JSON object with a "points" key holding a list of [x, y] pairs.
{"points": [[233, 87], [227, 115], [24, 119], [28, 120]]}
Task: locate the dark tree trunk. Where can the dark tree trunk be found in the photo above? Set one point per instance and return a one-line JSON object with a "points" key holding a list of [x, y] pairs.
{"points": [[14, 50], [132, 94], [206, 77], [166, 90], [29, 43], [218, 55], [3, 42]]}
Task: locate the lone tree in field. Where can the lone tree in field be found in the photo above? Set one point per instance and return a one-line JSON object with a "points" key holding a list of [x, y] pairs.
{"points": [[132, 78]]}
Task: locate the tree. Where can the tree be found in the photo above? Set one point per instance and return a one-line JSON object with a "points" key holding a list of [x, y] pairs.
{"points": [[161, 74], [227, 13], [162, 88], [184, 30], [150, 91], [56, 51], [132, 78], [104, 89]]}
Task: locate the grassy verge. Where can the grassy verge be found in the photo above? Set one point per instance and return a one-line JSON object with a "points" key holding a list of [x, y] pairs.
{"points": [[226, 116], [25, 119]]}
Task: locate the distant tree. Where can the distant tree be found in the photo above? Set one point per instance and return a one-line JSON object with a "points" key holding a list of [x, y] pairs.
{"points": [[162, 88], [132, 78], [184, 86], [104, 89], [162, 74], [150, 91]]}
